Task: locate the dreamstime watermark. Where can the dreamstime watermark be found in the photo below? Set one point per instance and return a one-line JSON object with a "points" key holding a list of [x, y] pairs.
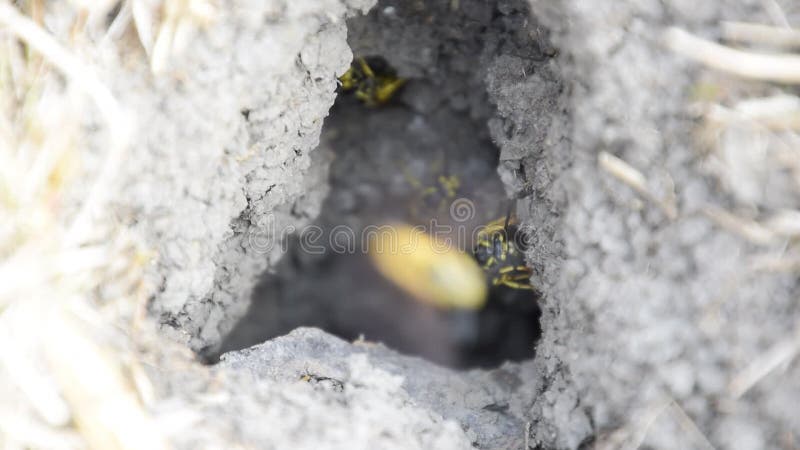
{"points": [[458, 232]]}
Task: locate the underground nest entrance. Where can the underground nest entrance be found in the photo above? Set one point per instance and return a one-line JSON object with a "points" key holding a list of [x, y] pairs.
{"points": [[410, 148]]}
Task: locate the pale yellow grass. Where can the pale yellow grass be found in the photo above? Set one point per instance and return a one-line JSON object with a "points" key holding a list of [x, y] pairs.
{"points": [[67, 353]]}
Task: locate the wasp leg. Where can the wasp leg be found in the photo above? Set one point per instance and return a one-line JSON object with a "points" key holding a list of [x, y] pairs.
{"points": [[515, 277], [517, 285], [450, 184], [365, 68], [411, 179], [386, 89], [515, 269], [517, 282], [507, 269]]}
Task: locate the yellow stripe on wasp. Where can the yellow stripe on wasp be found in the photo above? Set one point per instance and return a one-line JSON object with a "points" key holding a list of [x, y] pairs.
{"points": [[497, 252], [372, 80]]}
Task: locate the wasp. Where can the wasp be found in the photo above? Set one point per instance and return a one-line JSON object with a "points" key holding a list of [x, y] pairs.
{"points": [[435, 198], [372, 80], [500, 252]]}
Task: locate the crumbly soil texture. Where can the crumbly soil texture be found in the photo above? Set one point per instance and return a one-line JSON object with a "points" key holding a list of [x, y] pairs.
{"points": [[389, 164], [463, 62], [650, 313]]}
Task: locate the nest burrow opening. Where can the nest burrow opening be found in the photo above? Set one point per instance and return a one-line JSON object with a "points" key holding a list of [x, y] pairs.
{"points": [[409, 142]]}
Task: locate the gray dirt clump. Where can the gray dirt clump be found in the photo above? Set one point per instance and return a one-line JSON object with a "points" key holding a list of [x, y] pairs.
{"points": [[224, 157], [412, 391], [310, 390], [464, 66], [448, 120], [648, 320], [653, 314], [648, 317]]}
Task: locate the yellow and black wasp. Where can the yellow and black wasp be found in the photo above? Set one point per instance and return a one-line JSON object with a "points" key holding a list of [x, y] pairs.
{"points": [[508, 324], [500, 251], [433, 200], [372, 80]]}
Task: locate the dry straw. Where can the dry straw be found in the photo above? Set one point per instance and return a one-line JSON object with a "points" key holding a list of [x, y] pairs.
{"points": [[755, 141], [63, 362]]}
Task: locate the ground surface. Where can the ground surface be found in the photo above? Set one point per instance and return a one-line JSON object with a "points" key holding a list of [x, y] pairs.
{"points": [[648, 318], [652, 315], [383, 160], [651, 320]]}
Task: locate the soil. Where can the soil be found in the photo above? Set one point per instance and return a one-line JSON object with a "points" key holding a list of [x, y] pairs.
{"points": [[647, 318]]}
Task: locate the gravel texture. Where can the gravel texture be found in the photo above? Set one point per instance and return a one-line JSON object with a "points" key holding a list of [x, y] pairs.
{"points": [[648, 320]]}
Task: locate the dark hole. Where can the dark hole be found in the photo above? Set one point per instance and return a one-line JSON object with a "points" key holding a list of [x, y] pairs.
{"points": [[409, 160]]}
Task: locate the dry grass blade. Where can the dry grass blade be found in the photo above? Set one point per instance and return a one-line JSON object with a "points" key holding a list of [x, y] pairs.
{"points": [[120, 23], [767, 35], [781, 68], [785, 223], [77, 72], [47, 268], [623, 172], [776, 113], [19, 432], [749, 229], [776, 13], [775, 264], [633, 435], [23, 366], [105, 404], [80, 75], [689, 426], [627, 174], [780, 354], [179, 19], [145, 14]]}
